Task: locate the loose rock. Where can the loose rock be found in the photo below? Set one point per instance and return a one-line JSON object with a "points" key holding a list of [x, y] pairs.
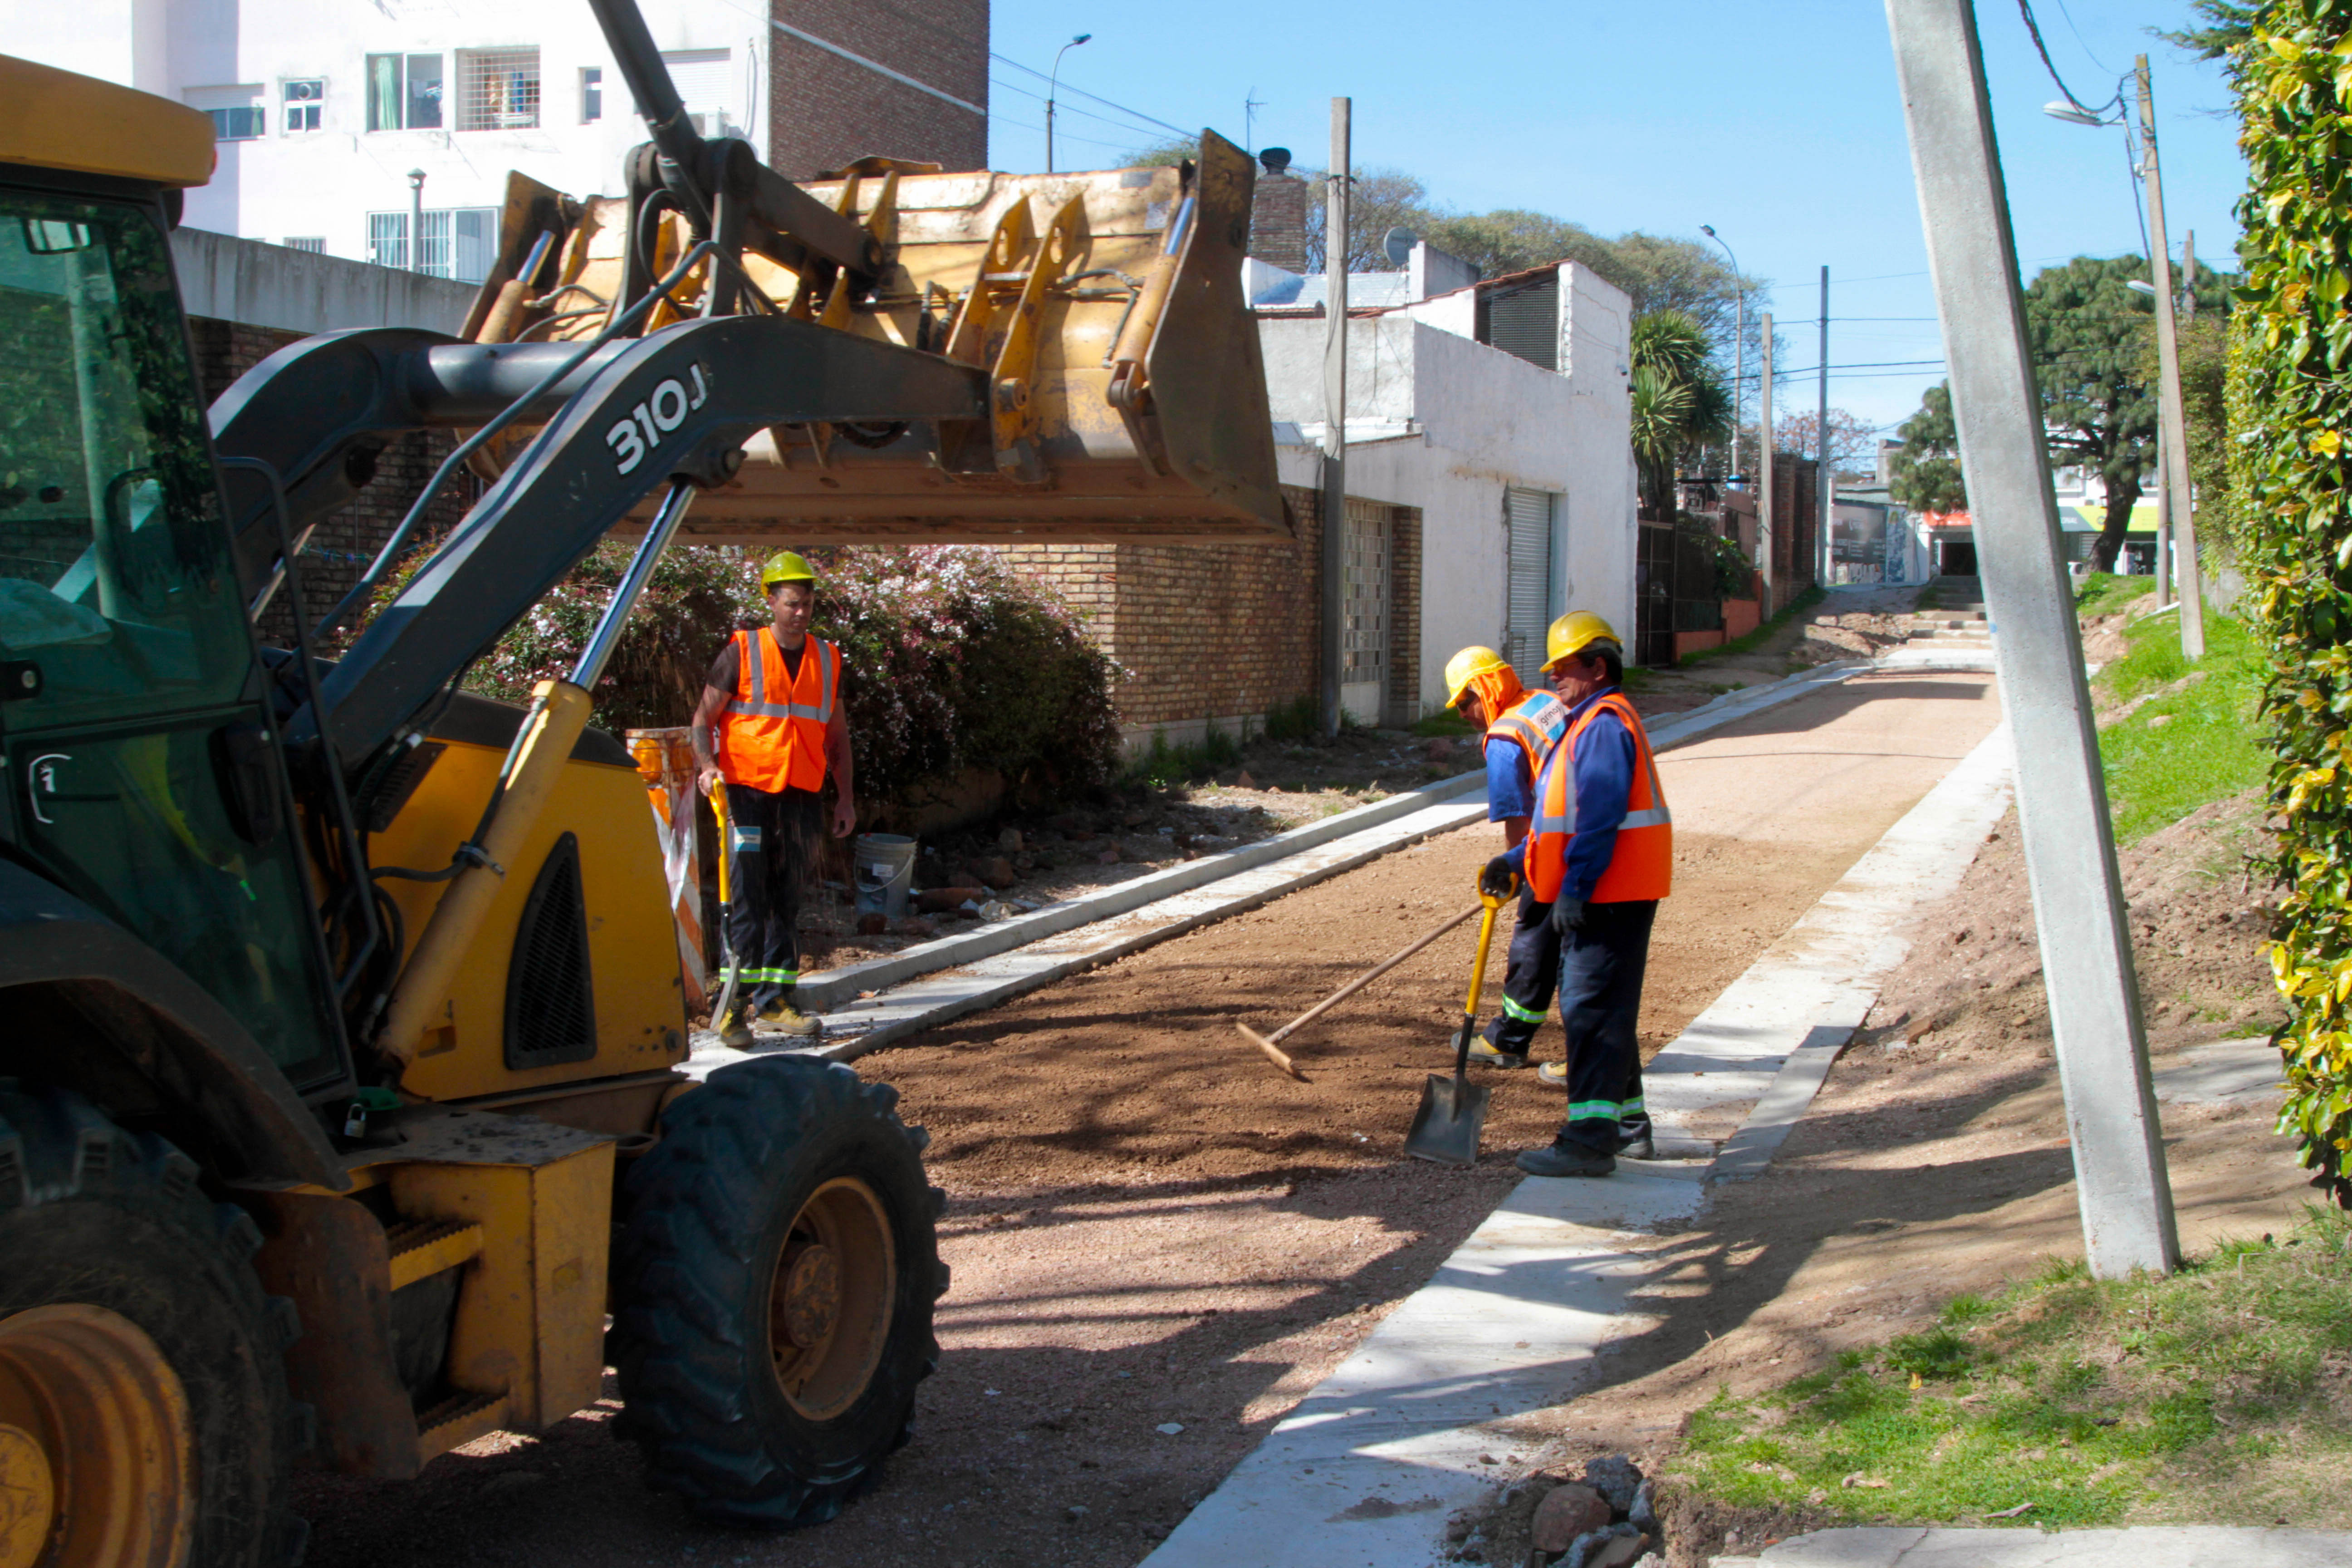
{"points": [[1567, 1511], [1617, 1479], [1009, 840], [939, 900], [1245, 782]]}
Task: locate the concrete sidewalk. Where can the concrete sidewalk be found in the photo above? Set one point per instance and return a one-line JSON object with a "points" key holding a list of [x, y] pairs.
{"points": [[2139, 1546], [1368, 1467]]}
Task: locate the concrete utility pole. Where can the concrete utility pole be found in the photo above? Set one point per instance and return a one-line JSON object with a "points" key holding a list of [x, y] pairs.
{"points": [[1335, 415], [2170, 419], [1824, 482], [1764, 518], [2120, 1182], [416, 220]]}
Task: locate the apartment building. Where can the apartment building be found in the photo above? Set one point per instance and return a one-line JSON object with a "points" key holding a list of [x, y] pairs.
{"points": [[384, 132]]}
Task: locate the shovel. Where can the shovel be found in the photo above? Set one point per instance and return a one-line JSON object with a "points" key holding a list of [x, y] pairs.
{"points": [[1453, 1110], [725, 938]]}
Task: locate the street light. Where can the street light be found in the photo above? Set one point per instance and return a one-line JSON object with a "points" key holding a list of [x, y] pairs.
{"points": [[416, 220], [1739, 347], [2172, 444], [1052, 85]]}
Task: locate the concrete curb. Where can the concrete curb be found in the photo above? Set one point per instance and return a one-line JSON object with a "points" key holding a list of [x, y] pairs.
{"points": [[830, 989], [2137, 1546]]}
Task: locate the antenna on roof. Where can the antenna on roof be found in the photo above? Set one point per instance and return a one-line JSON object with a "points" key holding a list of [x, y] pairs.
{"points": [[1399, 244]]}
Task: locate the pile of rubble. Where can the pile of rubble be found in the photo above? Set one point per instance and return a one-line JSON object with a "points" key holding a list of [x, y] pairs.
{"points": [[1607, 1520]]}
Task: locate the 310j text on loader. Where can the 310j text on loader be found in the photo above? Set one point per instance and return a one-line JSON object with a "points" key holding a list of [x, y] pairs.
{"points": [[339, 1088]]}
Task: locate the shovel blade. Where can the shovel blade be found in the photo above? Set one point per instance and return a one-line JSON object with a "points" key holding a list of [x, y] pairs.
{"points": [[1446, 1127]]}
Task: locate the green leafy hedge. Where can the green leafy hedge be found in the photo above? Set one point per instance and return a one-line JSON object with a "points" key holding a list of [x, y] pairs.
{"points": [[2293, 81], [950, 662]]}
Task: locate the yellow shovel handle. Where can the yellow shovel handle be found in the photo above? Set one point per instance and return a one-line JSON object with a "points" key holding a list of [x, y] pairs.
{"points": [[718, 804], [1485, 939]]}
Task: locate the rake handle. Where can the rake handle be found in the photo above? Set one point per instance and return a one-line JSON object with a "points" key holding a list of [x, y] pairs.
{"points": [[1365, 979]]}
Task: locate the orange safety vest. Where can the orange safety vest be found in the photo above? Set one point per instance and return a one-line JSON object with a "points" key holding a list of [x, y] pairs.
{"points": [[1641, 866], [771, 736], [1535, 723]]}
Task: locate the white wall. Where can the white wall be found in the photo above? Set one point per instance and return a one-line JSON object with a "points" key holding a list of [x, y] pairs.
{"points": [[1444, 423], [325, 183]]}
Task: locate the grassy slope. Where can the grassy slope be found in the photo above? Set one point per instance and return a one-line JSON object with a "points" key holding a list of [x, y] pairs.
{"points": [[2219, 1395], [2194, 744]]}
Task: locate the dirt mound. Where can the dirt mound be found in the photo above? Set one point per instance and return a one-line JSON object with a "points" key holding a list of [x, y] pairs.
{"points": [[1857, 636], [2199, 910]]}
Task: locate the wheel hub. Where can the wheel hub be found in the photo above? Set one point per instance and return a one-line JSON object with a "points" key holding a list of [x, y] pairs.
{"points": [[812, 1295], [834, 1289], [97, 1467], [28, 1499]]}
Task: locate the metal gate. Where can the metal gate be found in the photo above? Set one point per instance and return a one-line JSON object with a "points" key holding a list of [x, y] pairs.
{"points": [[1529, 614]]}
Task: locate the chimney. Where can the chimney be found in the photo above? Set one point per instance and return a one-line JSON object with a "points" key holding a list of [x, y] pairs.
{"points": [[1278, 214]]}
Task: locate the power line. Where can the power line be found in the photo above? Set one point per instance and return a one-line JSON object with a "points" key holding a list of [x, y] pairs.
{"points": [[2025, 9]]}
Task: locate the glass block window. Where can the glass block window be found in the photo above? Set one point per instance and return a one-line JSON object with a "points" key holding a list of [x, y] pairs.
{"points": [[498, 90]]}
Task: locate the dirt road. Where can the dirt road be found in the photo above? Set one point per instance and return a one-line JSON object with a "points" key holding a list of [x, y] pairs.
{"points": [[1150, 1227]]}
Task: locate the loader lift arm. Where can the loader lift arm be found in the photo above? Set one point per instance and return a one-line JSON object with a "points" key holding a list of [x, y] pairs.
{"points": [[678, 404]]}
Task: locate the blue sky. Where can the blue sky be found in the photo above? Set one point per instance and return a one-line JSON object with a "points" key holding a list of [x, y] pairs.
{"points": [[1779, 124]]}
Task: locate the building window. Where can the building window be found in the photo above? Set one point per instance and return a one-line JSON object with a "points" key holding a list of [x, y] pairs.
{"points": [[701, 78], [592, 94], [316, 244], [304, 103], [404, 92], [236, 112], [498, 90], [458, 243]]}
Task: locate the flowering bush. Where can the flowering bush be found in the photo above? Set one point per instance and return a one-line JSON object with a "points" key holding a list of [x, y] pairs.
{"points": [[950, 660]]}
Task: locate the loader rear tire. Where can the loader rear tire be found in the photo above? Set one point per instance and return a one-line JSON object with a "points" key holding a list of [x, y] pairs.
{"points": [[773, 1289], [143, 1369]]}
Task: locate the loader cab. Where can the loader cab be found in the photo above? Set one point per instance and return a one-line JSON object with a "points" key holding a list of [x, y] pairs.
{"points": [[142, 769]]}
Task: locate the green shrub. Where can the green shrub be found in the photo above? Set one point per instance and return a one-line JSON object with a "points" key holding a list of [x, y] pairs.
{"points": [[950, 660], [2294, 370], [1294, 721]]}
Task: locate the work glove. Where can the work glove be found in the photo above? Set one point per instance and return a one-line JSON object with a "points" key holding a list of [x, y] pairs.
{"points": [[1566, 915], [1500, 879]]}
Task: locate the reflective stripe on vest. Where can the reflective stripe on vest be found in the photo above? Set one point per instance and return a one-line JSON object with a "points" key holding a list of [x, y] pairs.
{"points": [[1536, 723], [776, 745], [1641, 864]]}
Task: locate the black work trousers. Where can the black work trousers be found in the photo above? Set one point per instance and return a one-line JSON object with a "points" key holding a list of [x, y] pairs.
{"points": [[1601, 971], [1529, 977], [770, 837]]}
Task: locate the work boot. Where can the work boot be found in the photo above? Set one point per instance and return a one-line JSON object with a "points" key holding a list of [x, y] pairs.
{"points": [[1565, 1158], [1552, 1075], [1485, 1050], [735, 1027], [1637, 1148], [790, 1019]]}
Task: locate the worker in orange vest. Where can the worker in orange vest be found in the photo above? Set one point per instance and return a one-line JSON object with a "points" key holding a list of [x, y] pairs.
{"points": [[770, 724], [1601, 851], [1518, 729]]}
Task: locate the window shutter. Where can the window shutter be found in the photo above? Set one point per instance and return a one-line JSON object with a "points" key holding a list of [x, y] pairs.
{"points": [[1529, 513]]}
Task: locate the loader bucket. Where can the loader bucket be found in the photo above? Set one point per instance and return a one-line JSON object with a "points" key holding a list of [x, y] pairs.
{"points": [[1130, 395]]}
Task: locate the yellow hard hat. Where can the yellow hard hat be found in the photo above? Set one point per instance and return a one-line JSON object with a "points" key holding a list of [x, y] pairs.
{"points": [[1573, 633], [1467, 667], [785, 566]]}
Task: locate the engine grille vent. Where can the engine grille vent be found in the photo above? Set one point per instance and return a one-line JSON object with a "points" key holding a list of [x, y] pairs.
{"points": [[551, 1002]]}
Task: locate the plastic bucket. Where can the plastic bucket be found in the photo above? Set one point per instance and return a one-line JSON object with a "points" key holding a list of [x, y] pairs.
{"points": [[884, 873]]}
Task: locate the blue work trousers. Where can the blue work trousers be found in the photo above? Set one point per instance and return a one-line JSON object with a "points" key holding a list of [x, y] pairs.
{"points": [[1529, 977], [1601, 971]]}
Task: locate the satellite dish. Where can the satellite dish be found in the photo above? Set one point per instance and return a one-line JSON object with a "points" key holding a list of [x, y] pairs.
{"points": [[1275, 159], [1399, 244]]}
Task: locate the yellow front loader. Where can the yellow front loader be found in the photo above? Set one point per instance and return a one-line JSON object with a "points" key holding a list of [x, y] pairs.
{"points": [[344, 1094]]}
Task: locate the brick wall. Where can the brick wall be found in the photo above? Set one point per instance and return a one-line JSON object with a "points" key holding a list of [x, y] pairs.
{"points": [[342, 545], [823, 110], [1222, 632]]}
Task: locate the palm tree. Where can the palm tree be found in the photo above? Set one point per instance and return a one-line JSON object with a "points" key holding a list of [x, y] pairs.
{"points": [[1678, 400]]}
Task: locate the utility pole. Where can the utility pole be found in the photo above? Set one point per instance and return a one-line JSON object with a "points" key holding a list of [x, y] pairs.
{"points": [[2120, 1182], [1335, 415], [416, 220], [1824, 482], [2163, 519], [1764, 518], [2174, 445], [1053, 90]]}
